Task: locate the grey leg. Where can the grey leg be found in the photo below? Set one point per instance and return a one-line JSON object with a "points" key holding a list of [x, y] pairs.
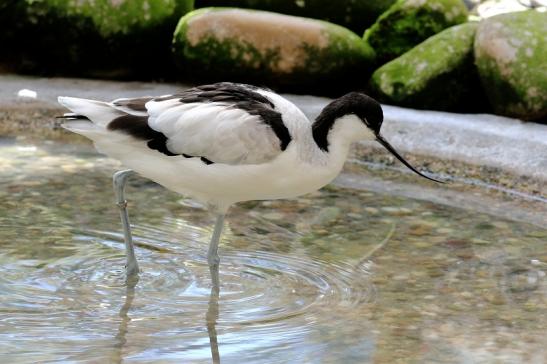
{"points": [[211, 319], [120, 178], [212, 254], [212, 313]]}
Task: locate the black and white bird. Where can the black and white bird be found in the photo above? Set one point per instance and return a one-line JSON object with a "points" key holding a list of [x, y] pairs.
{"points": [[225, 143]]}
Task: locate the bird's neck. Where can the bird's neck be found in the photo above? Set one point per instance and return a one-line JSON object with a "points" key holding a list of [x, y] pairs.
{"points": [[329, 142], [338, 133], [321, 128]]}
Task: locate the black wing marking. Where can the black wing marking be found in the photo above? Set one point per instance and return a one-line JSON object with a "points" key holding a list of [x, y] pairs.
{"points": [[72, 116], [137, 104], [137, 127], [240, 96]]}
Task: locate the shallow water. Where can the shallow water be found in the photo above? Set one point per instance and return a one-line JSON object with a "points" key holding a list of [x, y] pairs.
{"points": [[339, 276]]}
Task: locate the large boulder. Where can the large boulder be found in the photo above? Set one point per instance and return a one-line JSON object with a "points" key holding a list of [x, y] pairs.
{"points": [[267, 48], [488, 8], [511, 56], [437, 74], [354, 15], [90, 37], [409, 22]]}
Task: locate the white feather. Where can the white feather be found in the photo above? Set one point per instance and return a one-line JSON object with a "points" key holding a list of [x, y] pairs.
{"points": [[214, 130], [100, 113]]}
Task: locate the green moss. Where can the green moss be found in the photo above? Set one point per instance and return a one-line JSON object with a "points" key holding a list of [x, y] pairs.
{"points": [[216, 58], [437, 74], [409, 22], [211, 54], [514, 73], [97, 38], [345, 50], [239, 57], [114, 17]]}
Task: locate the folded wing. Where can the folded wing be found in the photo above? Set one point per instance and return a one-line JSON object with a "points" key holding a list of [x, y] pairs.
{"points": [[221, 123]]}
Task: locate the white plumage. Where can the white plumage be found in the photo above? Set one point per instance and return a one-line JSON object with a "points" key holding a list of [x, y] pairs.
{"points": [[226, 143], [229, 136]]}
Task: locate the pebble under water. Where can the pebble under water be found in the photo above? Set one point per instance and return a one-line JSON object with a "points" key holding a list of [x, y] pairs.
{"points": [[338, 276]]}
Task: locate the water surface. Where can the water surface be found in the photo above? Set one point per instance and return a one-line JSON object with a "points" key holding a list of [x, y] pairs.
{"points": [[339, 276]]}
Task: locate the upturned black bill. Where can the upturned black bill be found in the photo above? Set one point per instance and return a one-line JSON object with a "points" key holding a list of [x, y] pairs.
{"points": [[392, 150]]}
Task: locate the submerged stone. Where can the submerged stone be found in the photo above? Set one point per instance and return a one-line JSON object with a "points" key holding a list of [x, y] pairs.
{"points": [[89, 37], [409, 22], [268, 48], [354, 15], [511, 57], [437, 74]]}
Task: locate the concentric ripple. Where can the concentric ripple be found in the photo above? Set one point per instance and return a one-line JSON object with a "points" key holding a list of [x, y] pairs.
{"points": [[262, 287], [255, 287], [86, 295]]}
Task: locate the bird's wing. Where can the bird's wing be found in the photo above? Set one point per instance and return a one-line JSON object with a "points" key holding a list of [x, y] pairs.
{"points": [[221, 123], [134, 106]]}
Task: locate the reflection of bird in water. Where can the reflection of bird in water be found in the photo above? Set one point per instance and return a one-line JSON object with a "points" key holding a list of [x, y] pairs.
{"points": [[211, 318], [121, 339], [225, 143]]}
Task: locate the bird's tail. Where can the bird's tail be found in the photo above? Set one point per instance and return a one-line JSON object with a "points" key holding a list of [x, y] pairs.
{"points": [[87, 116]]}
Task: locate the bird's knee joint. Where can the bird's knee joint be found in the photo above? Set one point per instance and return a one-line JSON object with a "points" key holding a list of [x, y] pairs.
{"points": [[122, 205], [120, 177]]}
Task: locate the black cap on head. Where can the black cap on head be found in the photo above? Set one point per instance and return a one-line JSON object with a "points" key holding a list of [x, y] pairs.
{"points": [[364, 107], [367, 109], [354, 103]]}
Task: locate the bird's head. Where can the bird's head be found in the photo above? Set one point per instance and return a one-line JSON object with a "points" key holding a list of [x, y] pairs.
{"points": [[360, 117]]}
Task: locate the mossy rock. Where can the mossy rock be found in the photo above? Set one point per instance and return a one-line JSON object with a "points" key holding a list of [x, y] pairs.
{"points": [[511, 57], [90, 37], [437, 74], [354, 15], [271, 49], [409, 22]]}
